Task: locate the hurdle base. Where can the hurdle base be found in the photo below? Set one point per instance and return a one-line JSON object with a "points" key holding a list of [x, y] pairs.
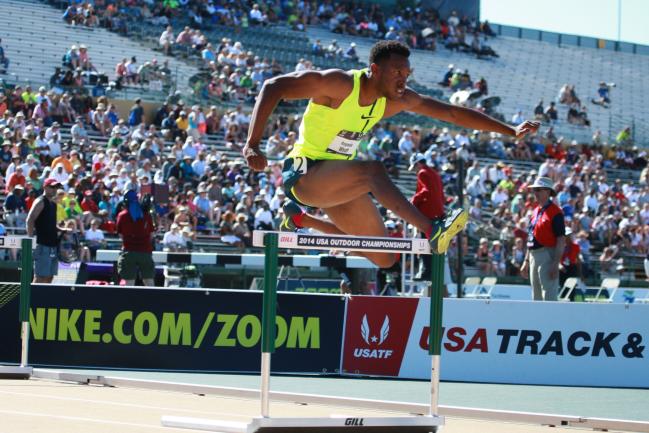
{"points": [[410, 424], [15, 372], [204, 424]]}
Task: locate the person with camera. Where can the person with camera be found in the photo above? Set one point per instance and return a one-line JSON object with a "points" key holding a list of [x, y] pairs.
{"points": [[135, 225]]}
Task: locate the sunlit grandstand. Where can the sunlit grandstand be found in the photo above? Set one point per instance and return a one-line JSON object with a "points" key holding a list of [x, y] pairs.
{"points": [[143, 109]]}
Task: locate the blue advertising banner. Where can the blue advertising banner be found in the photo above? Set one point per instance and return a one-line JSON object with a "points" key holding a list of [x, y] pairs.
{"points": [[9, 324], [181, 330]]}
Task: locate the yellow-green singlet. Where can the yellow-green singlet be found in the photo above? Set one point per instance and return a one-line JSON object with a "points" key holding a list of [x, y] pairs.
{"points": [[328, 133]]}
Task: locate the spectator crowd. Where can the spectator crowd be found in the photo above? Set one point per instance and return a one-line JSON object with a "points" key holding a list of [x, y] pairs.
{"points": [[99, 153]]}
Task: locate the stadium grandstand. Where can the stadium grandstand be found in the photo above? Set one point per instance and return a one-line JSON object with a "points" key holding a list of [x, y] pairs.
{"points": [[206, 63], [143, 109]]}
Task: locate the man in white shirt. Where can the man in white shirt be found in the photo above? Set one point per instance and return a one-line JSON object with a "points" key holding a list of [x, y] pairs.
{"points": [[94, 234], [167, 40], [242, 118], [173, 240], [53, 131], [59, 174], [444, 137], [300, 66], [277, 200], [55, 147], [199, 165], [30, 163], [406, 145], [591, 204], [263, 216], [41, 144], [499, 196], [545, 169], [256, 15], [603, 186], [644, 214], [462, 139], [453, 20], [78, 132], [189, 150]]}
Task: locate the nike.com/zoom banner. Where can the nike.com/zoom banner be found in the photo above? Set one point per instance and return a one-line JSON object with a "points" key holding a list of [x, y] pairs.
{"points": [[201, 330], [546, 343]]}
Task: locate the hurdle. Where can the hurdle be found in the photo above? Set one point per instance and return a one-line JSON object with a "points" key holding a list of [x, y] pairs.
{"points": [[22, 371], [246, 259], [272, 242]]}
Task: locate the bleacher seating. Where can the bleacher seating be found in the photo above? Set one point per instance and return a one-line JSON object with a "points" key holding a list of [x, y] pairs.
{"points": [[35, 38], [528, 71]]}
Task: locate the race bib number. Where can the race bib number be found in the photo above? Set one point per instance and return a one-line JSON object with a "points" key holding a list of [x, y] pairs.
{"points": [[345, 143], [300, 164]]}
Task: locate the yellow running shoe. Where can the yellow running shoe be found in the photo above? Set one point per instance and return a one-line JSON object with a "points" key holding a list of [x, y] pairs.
{"points": [[445, 229]]}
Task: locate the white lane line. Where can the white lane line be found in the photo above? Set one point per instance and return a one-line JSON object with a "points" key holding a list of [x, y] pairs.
{"points": [[77, 418], [112, 403]]}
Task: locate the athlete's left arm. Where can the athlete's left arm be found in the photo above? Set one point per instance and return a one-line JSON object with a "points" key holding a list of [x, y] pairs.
{"points": [[461, 116]]}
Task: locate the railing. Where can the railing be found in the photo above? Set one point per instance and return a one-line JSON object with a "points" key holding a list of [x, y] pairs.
{"points": [[566, 39]]}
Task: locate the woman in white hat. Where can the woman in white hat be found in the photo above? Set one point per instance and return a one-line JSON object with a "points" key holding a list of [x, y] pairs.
{"points": [[545, 242]]}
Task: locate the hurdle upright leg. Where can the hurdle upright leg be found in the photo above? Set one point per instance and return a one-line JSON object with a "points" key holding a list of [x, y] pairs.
{"points": [[435, 334], [272, 241], [23, 371], [268, 317], [25, 298]]}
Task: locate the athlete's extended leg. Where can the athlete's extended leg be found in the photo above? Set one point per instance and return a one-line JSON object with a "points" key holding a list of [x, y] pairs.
{"points": [[332, 183], [295, 218], [360, 217], [353, 210]]}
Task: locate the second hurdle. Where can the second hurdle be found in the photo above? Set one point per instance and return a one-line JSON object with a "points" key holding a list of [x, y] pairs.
{"points": [[272, 242]]}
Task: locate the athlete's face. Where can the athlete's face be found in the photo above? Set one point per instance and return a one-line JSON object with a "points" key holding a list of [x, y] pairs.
{"points": [[393, 74]]}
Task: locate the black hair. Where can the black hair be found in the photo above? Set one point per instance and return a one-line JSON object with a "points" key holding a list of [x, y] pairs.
{"points": [[382, 50]]}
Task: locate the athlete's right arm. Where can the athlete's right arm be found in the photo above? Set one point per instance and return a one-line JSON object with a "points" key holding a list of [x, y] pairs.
{"points": [[34, 212], [332, 85]]}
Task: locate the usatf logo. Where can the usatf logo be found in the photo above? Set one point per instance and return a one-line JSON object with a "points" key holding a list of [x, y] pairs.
{"points": [[365, 331], [376, 339], [377, 330]]}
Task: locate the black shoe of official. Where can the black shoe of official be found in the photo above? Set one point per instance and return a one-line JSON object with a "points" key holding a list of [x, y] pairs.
{"points": [[445, 230]]}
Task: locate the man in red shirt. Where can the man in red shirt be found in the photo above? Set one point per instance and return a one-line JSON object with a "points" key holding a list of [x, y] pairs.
{"points": [[429, 199], [136, 229], [545, 243], [16, 178], [88, 204]]}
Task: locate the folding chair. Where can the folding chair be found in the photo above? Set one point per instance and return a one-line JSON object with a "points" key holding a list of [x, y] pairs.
{"points": [[484, 289], [568, 287], [610, 285], [487, 286], [471, 284]]}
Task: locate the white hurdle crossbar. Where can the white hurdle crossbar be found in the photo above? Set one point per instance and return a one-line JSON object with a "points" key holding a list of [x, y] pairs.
{"points": [[309, 241], [272, 242]]}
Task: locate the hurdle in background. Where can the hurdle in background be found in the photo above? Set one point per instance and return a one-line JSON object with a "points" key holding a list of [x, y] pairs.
{"points": [[248, 259], [25, 244], [272, 242]]}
